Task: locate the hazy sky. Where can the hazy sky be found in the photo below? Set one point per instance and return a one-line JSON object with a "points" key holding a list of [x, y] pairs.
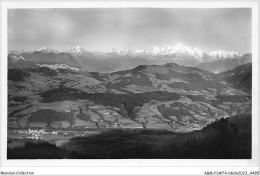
{"points": [[130, 28]]}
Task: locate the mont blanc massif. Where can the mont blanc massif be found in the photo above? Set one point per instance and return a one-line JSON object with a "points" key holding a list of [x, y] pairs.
{"points": [[170, 102]]}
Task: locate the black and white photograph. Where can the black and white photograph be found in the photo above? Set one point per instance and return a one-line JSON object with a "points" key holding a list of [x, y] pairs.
{"points": [[124, 83]]}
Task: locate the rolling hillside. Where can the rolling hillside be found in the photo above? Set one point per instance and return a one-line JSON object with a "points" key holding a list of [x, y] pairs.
{"points": [[240, 77], [168, 77]]}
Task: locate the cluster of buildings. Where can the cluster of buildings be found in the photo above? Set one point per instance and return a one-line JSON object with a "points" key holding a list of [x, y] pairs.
{"points": [[35, 134], [97, 89]]}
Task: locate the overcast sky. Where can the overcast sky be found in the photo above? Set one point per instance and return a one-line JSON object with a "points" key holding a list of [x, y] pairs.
{"points": [[122, 28]]}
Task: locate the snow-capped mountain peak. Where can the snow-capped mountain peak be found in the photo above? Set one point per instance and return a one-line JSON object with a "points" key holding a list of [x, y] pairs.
{"points": [[47, 50], [123, 51], [141, 52], [58, 66], [42, 49], [22, 58], [178, 49], [13, 58], [77, 50], [165, 50], [220, 54]]}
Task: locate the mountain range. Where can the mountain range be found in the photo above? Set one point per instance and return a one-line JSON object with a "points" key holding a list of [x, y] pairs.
{"points": [[167, 50], [116, 60], [179, 53], [44, 58]]}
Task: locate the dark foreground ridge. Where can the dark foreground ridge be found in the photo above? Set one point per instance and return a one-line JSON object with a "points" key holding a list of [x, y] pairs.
{"points": [[224, 139]]}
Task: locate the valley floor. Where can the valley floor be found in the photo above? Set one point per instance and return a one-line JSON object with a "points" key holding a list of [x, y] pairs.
{"points": [[224, 139]]}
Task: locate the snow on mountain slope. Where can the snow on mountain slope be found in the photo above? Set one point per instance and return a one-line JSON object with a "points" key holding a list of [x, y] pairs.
{"points": [[224, 54], [167, 50], [179, 53], [47, 50], [13, 58], [77, 50], [178, 49], [123, 51], [58, 66], [163, 51], [19, 61]]}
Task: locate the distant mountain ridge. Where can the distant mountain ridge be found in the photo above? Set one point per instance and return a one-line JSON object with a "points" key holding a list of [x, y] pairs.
{"points": [[18, 61], [224, 54], [225, 64], [179, 53], [44, 58], [240, 77], [168, 50], [50, 58], [178, 49], [126, 59]]}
